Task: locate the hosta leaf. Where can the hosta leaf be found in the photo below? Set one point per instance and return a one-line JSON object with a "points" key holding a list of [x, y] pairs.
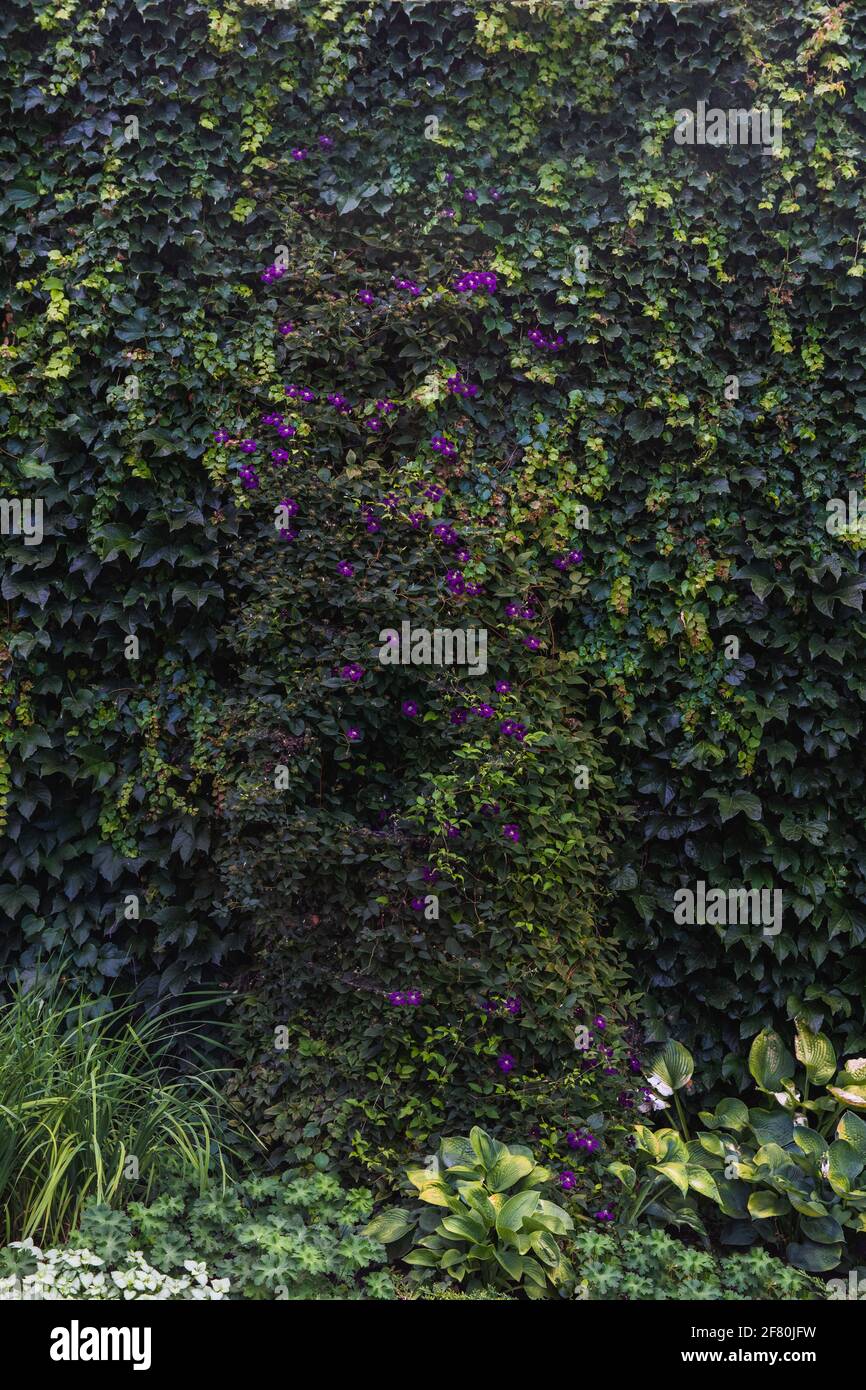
{"points": [[674, 1066], [507, 1171], [770, 1062], [763, 1205], [511, 1213], [816, 1053], [853, 1130], [389, 1225], [816, 1258]]}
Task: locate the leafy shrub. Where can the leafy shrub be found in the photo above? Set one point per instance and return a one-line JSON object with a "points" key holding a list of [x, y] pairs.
{"points": [[99, 1106], [81, 1274], [288, 1237], [786, 1172], [652, 1266], [487, 1237]]}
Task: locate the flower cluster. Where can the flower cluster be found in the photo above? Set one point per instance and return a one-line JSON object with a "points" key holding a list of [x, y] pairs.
{"points": [[567, 561], [410, 997], [538, 339], [272, 273], [458, 387], [471, 281], [446, 447]]}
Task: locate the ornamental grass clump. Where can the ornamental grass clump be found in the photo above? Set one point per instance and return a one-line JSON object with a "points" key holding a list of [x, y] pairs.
{"points": [[97, 1106]]}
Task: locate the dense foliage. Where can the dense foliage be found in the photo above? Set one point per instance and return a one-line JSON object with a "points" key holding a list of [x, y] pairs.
{"points": [[651, 1266], [551, 375], [294, 1237]]}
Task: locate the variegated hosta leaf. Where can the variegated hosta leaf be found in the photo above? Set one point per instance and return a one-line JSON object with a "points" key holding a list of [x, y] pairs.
{"points": [[816, 1053], [770, 1062]]}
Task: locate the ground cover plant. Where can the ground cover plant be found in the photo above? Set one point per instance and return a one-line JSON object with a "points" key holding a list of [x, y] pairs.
{"points": [[431, 561]]}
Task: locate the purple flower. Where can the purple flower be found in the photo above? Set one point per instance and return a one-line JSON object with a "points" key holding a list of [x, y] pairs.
{"points": [[505, 1062], [352, 672], [459, 716], [374, 425], [430, 875], [326, 142], [483, 711], [433, 492], [414, 996], [397, 999], [512, 1004], [634, 1065], [385, 407], [221, 436], [287, 535], [511, 831], [494, 194], [443, 446], [572, 1138], [502, 687], [567, 1180], [345, 569], [470, 196], [279, 455], [409, 708], [471, 280], [248, 446], [533, 643], [604, 1215], [366, 297], [290, 505], [599, 1022], [299, 153], [353, 734], [451, 831], [286, 328], [489, 808], [418, 904], [286, 431]]}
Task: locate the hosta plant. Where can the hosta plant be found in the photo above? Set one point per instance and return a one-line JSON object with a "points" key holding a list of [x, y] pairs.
{"points": [[791, 1171], [486, 1220]]}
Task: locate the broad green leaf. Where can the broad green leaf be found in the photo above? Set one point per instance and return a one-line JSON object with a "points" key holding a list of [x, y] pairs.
{"points": [[626, 1175], [486, 1149], [389, 1225], [512, 1212], [511, 1262], [673, 1065], [769, 1061], [816, 1053], [507, 1171], [816, 1258], [677, 1173], [823, 1229], [853, 1130], [766, 1204], [845, 1165]]}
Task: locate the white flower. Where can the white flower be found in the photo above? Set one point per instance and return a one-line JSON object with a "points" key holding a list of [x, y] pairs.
{"points": [[660, 1086]]}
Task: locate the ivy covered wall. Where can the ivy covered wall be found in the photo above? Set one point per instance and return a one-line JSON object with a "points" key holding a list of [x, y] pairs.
{"points": [[670, 384]]}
